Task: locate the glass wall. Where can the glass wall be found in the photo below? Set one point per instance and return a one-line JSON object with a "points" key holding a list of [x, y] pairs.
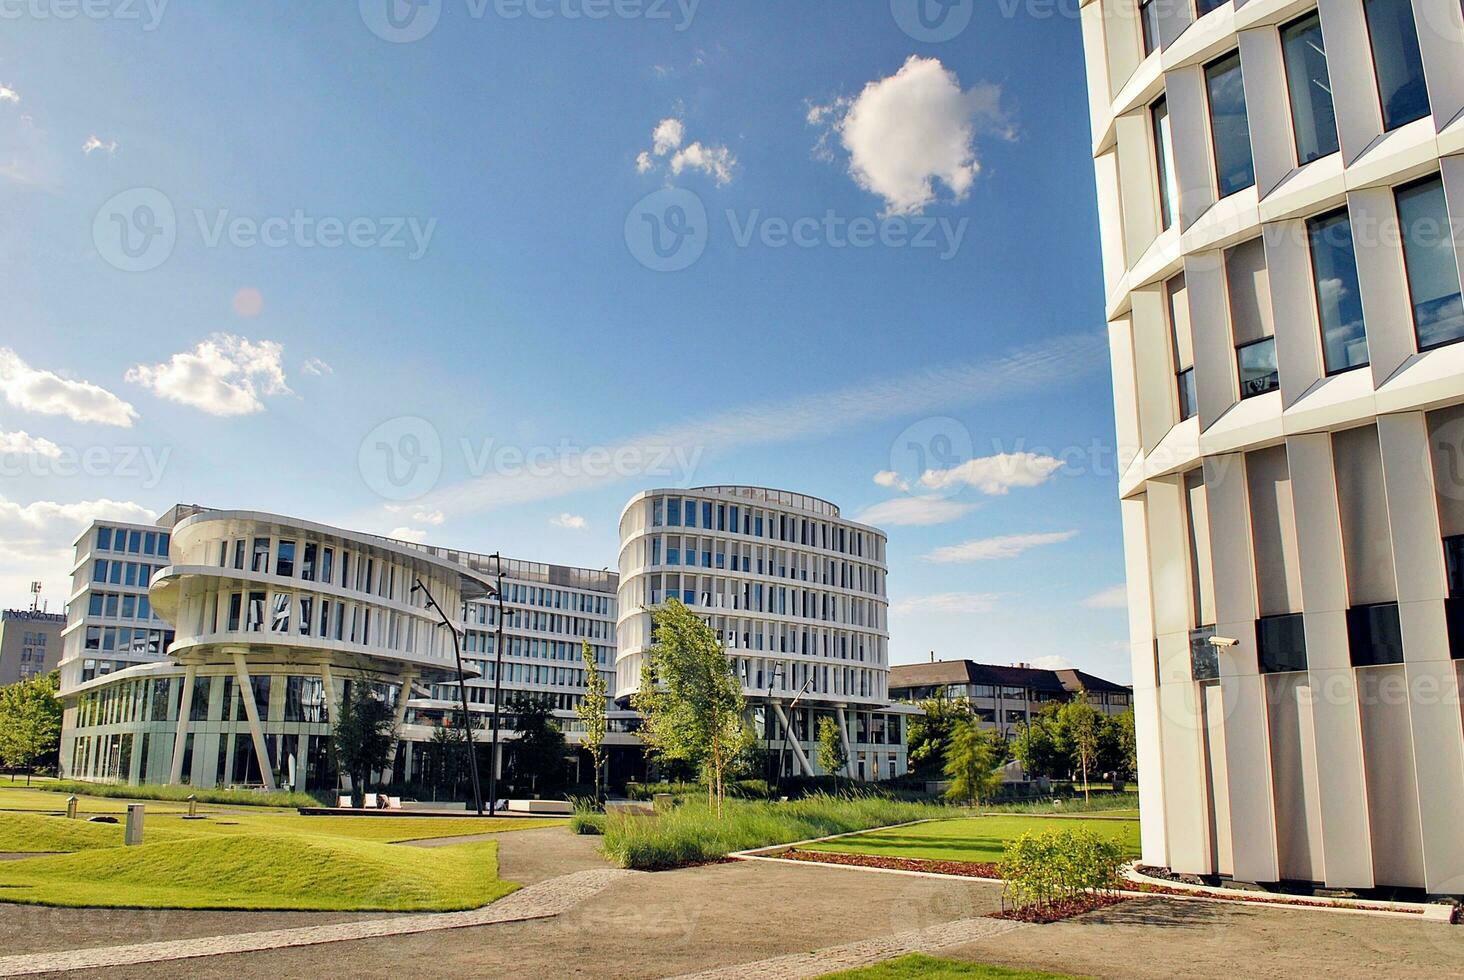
{"points": [[1433, 270], [1229, 126], [1339, 297], [1396, 58], [1313, 118]]}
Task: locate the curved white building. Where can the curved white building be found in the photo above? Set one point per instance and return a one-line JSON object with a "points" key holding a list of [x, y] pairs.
{"points": [[1280, 188], [797, 594], [274, 618]]}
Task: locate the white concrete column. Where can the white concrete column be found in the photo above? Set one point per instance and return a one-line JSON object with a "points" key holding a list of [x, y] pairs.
{"points": [[1267, 106], [792, 740], [251, 710], [1216, 384], [1386, 306], [1332, 692], [1294, 308], [1350, 68], [1147, 726], [401, 715], [843, 719], [180, 738]]}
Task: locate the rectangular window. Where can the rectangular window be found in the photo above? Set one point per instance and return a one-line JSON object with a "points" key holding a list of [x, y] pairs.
{"points": [[285, 559], [1339, 296], [1248, 291], [261, 556], [307, 566], [236, 603], [1204, 658], [1433, 271], [1281, 644], [1181, 342], [1374, 635], [1257, 363], [1164, 161], [104, 539], [1313, 118], [673, 513], [327, 561], [1397, 61], [1229, 125], [1203, 7], [255, 622], [307, 609], [1149, 18]]}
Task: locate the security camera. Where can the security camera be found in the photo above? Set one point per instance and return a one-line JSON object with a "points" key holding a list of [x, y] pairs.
{"points": [[1223, 642]]}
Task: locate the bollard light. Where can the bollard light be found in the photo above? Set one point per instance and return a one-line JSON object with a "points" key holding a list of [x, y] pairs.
{"points": [[71, 802], [192, 806], [134, 824]]}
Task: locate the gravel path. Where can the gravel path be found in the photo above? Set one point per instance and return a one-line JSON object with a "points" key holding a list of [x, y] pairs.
{"points": [[535, 902]]}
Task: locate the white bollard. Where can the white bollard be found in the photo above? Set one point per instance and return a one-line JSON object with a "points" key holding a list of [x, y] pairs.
{"points": [[134, 824], [71, 803]]}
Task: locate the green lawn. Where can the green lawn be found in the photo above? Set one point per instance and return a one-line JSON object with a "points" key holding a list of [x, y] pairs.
{"points": [[245, 858], [921, 967], [971, 839]]}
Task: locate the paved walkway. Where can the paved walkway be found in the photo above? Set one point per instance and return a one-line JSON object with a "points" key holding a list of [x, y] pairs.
{"points": [[535, 902]]}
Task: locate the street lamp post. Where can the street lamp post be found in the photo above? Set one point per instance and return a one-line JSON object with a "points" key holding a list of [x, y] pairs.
{"points": [[462, 690], [497, 692]]}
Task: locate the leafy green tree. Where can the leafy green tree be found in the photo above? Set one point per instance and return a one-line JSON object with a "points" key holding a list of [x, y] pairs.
{"points": [[30, 721], [591, 712], [1038, 746], [691, 700], [1080, 724], [447, 765], [930, 733], [973, 763], [1117, 747], [831, 755], [364, 736], [540, 748]]}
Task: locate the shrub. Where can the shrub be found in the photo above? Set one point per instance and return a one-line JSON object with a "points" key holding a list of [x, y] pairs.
{"points": [[178, 794], [692, 833], [588, 819], [1058, 866]]}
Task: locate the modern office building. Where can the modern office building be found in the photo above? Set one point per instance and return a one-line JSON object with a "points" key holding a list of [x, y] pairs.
{"points": [[30, 644], [1280, 190], [797, 594], [211, 648], [1005, 697]]}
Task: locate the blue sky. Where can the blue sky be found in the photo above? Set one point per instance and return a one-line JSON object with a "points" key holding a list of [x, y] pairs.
{"points": [[886, 291]]}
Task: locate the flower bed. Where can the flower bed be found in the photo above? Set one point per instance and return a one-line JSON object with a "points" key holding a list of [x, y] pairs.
{"points": [[961, 869]]}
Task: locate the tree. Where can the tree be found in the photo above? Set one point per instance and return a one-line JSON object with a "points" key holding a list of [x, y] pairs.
{"points": [[539, 751], [691, 700], [1080, 724], [1117, 747], [1037, 746], [30, 721], [591, 712], [831, 755], [973, 763], [364, 735], [930, 733], [447, 768]]}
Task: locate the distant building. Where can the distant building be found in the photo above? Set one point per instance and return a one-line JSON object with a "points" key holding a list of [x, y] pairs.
{"points": [[1004, 697], [30, 644]]}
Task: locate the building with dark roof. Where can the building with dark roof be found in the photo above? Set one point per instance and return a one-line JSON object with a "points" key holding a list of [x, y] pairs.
{"points": [[1004, 697]]}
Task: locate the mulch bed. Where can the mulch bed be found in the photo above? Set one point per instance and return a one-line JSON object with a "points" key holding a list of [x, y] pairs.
{"points": [[963, 869], [1058, 911], [1253, 898]]}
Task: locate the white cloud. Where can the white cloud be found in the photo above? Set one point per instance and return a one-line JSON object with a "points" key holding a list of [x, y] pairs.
{"points": [[993, 549], [910, 131], [317, 368], [93, 143], [891, 479], [37, 542], [570, 522], [224, 375], [995, 475], [1111, 598], [914, 512], [674, 453], [24, 444], [8, 94], [947, 603], [47, 393], [409, 534], [668, 142], [1052, 663]]}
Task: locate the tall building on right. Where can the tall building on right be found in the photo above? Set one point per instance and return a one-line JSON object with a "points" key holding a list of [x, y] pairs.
{"points": [[1281, 192]]}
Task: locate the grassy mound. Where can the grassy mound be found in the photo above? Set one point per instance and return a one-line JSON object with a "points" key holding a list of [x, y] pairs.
{"points": [[262, 871], [692, 834], [35, 833]]}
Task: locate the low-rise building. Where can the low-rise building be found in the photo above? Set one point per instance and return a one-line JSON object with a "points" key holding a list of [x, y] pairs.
{"points": [[1005, 697], [30, 644]]}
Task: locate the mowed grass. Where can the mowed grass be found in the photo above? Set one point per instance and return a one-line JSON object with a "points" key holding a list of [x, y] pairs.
{"points": [[921, 967], [262, 871], [384, 830], [976, 840], [37, 833]]}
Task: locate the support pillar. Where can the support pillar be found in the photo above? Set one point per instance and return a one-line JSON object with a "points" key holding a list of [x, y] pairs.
{"points": [[843, 720], [798, 752], [180, 738], [246, 693], [401, 715]]}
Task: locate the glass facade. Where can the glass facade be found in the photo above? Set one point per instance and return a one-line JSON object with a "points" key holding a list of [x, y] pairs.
{"points": [[1338, 293], [1433, 270], [1397, 61], [1164, 157], [1313, 118], [1229, 126]]}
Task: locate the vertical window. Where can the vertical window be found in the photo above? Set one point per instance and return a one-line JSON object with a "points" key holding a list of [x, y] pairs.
{"points": [[1248, 289], [1149, 18], [1433, 271], [285, 559], [261, 555], [1177, 304], [1164, 161], [1339, 297], [1203, 7], [1313, 119], [255, 623], [1397, 61], [327, 560], [104, 539], [236, 602], [1229, 125], [307, 566]]}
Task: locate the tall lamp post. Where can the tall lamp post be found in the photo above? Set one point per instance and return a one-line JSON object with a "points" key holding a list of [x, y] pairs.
{"points": [[462, 690], [497, 691]]}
